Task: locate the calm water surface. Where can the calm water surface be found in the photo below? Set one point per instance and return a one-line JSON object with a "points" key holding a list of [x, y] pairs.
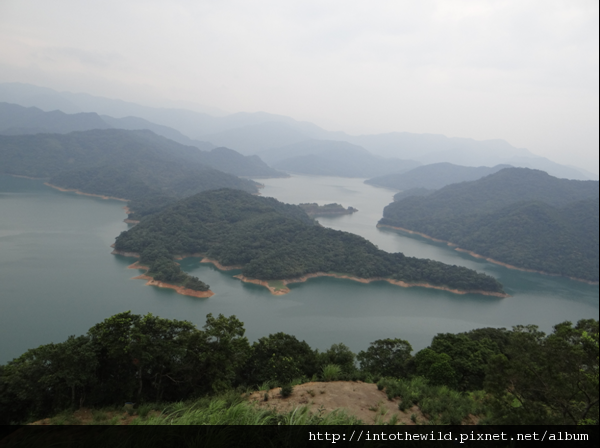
{"points": [[57, 278]]}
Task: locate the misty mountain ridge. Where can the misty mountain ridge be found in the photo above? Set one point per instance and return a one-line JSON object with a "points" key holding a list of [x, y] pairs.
{"points": [[332, 158], [433, 176], [18, 120], [251, 133]]}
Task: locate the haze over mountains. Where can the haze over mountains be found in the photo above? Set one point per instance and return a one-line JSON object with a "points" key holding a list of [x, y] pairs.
{"points": [[253, 133], [433, 176]]}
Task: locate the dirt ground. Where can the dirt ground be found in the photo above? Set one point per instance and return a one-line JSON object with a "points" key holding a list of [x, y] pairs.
{"points": [[362, 400]]}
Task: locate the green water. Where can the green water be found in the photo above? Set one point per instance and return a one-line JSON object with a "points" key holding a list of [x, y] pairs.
{"points": [[57, 278]]}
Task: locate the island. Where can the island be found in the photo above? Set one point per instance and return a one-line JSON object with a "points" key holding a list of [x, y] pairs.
{"points": [[274, 244], [314, 209]]}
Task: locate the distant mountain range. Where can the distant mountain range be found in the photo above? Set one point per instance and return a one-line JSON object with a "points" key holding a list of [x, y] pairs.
{"points": [[433, 176], [522, 217], [254, 133], [18, 120], [332, 158]]}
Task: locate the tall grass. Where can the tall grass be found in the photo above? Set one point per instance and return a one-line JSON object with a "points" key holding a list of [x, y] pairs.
{"points": [[217, 411], [440, 404]]}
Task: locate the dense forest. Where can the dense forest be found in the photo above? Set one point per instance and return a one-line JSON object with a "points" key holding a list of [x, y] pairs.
{"points": [[270, 240], [518, 216], [518, 376], [433, 176]]}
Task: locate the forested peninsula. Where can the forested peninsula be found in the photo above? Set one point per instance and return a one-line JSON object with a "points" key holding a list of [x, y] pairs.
{"points": [[270, 241], [519, 217]]}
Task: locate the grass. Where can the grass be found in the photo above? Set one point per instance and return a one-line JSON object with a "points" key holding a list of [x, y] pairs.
{"points": [[439, 404], [217, 411]]}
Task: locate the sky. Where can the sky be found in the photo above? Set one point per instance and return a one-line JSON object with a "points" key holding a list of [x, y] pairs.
{"points": [[520, 70]]}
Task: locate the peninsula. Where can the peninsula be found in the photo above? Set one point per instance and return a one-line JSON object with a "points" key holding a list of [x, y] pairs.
{"points": [[274, 244], [517, 217]]}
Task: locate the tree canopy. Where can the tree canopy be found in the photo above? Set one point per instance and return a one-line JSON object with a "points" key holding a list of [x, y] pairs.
{"points": [[270, 240]]}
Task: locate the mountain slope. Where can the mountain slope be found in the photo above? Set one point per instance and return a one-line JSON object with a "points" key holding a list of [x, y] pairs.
{"points": [[517, 216], [150, 170]]}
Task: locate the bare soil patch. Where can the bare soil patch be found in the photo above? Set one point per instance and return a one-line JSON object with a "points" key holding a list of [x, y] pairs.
{"points": [[363, 400]]}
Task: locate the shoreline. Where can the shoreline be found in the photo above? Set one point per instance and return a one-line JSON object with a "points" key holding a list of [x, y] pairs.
{"points": [[304, 278], [491, 260], [281, 291], [24, 177], [73, 190], [178, 289]]}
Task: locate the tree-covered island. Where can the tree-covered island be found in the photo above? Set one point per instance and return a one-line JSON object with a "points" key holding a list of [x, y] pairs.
{"points": [[314, 209], [270, 241]]}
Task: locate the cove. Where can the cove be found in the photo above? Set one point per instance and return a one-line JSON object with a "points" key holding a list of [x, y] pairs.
{"points": [[58, 278]]}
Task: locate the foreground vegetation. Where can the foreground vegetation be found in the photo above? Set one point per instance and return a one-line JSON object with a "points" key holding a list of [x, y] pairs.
{"points": [[177, 373], [270, 240]]}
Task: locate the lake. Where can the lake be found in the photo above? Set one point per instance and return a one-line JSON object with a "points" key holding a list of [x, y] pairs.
{"points": [[58, 278]]}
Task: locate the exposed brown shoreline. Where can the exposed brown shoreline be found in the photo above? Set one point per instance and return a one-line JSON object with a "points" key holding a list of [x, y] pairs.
{"points": [[24, 177], [281, 291], [491, 260], [72, 190], [151, 282], [305, 277]]}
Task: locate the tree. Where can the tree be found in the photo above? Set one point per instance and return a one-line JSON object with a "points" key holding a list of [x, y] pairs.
{"points": [[436, 367], [547, 379], [386, 357], [280, 357], [340, 355]]}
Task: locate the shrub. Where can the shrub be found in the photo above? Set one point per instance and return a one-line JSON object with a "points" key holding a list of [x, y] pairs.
{"points": [[331, 372], [286, 390]]}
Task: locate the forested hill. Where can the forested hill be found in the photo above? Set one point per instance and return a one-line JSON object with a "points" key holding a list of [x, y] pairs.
{"points": [[51, 151], [149, 170], [274, 241], [433, 176], [518, 216]]}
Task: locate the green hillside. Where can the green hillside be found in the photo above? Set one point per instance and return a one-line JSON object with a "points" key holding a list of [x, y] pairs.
{"points": [[518, 216], [147, 169]]}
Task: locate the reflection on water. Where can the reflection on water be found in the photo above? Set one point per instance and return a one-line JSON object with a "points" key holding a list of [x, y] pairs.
{"points": [[57, 277]]}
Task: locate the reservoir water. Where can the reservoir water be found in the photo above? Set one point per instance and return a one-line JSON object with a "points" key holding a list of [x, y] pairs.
{"points": [[58, 278]]}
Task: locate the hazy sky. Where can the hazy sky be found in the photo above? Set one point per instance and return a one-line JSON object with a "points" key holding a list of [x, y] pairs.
{"points": [[524, 71]]}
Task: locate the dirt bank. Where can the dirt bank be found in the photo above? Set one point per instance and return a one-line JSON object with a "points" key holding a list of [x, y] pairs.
{"points": [[72, 190]]}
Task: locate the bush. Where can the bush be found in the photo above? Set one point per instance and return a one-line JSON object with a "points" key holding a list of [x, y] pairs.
{"points": [[286, 390], [331, 372]]}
